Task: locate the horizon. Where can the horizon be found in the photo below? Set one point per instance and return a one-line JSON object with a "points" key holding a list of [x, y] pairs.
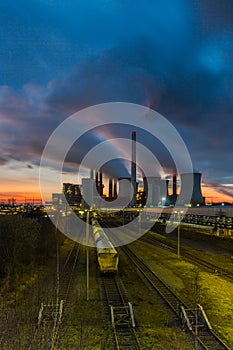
{"points": [[174, 57]]}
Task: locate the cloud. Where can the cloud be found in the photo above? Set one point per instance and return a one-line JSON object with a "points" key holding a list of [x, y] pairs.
{"points": [[220, 188], [190, 94], [175, 57]]}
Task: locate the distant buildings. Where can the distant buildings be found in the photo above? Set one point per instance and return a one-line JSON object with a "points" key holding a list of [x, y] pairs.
{"points": [[155, 192], [57, 198], [71, 193]]}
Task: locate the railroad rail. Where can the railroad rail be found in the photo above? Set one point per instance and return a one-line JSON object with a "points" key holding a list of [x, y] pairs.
{"points": [[194, 321], [65, 281], [184, 252], [121, 314], [55, 309]]}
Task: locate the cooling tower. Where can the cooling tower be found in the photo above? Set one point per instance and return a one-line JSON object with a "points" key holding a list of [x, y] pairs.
{"points": [[196, 197], [155, 189]]}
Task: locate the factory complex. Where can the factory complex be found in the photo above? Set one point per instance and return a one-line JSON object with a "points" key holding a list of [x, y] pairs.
{"points": [[124, 192]]}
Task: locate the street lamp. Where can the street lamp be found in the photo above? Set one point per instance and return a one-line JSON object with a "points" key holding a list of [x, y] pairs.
{"points": [[178, 233]]}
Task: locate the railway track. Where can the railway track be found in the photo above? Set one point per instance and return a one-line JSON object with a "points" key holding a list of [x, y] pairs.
{"points": [[65, 283], [57, 307], [121, 312], [203, 336], [172, 247]]}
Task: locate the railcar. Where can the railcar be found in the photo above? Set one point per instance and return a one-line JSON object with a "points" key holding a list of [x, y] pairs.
{"points": [[107, 255]]}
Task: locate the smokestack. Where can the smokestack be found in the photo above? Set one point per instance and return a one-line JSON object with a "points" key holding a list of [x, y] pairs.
{"points": [[101, 184], [174, 189], [115, 188], [97, 181], [110, 188], [167, 202], [133, 169]]}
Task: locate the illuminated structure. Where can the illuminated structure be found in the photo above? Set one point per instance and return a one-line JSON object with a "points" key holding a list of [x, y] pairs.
{"points": [[156, 190], [173, 196], [57, 198], [72, 193]]}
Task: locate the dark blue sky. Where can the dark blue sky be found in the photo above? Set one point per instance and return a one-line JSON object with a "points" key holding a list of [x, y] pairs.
{"points": [[175, 56]]}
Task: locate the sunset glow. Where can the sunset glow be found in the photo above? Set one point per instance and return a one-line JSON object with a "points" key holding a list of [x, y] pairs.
{"points": [[54, 67]]}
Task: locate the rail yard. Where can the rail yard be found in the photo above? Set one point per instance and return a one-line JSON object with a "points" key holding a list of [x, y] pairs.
{"points": [[139, 296]]}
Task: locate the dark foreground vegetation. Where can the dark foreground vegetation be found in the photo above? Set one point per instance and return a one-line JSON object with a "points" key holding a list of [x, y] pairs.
{"points": [[24, 243]]}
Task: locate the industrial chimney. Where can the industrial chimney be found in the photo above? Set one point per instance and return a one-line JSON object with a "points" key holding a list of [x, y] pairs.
{"points": [[115, 188], [133, 169], [174, 189], [99, 182], [173, 196], [110, 188]]}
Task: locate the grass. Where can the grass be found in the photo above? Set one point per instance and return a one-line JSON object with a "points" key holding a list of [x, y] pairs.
{"points": [[158, 327], [213, 292], [85, 323]]}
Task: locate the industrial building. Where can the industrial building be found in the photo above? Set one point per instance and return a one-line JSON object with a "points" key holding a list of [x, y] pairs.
{"points": [[197, 198], [157, 191], [57, 198], [72, 193], [125, 189]]}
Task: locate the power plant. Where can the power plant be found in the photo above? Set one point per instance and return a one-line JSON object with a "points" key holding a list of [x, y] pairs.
{"points": [[154, 192]]}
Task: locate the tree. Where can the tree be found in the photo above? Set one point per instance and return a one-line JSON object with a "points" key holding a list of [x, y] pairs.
{"points": [[17, 243]]}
